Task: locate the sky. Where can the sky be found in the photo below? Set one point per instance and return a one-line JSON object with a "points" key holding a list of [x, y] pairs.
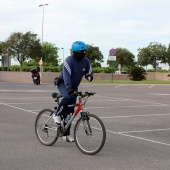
{"points": [[130, 24]]}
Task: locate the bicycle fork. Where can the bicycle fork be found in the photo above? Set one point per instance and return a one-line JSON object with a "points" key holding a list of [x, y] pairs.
{"points": [[86, 124]]}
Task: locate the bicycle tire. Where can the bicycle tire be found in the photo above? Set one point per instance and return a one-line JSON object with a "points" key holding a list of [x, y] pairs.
{"points": [[87, 143], [45, 127]]}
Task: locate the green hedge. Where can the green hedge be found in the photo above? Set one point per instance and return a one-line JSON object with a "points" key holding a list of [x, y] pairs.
{"points": [[160, 71], [54, 69], [27, 68], [102, 70]]}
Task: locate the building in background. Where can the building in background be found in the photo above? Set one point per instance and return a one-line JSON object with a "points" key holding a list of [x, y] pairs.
{"points": [[5, 61]]}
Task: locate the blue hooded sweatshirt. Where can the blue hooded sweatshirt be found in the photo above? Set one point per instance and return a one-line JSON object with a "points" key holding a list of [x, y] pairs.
{"points": [[73, 71]]}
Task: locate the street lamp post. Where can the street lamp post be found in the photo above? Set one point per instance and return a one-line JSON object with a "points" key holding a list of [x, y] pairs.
{"points": [[63, 54], [42, 5]]}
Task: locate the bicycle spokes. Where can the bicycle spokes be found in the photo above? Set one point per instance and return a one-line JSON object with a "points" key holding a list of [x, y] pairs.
{"points": [[89, 134], [46, 128]]}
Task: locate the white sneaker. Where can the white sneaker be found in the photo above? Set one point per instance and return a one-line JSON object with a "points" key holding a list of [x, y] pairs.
{"points": [[57, 119], [68, 139]]}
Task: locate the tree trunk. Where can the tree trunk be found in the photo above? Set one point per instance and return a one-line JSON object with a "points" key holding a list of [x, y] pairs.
{"points": [[20, 66]]}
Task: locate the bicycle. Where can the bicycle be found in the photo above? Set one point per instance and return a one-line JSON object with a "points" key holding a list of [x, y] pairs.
{"points": [[89, 130]]}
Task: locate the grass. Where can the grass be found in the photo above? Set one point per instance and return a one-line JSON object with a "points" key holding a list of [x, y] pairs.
{"points": [[131, 82]]}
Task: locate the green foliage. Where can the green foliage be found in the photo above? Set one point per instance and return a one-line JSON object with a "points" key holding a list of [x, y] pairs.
{"points": [[137, 73], [153, 53], [22, 46], [14, 68], [27, 68], [3, 68], [160, 71], [102, 70], [31, 63], [50, 54], [96, 64], [143, 56], [158, 52], [51, 69], [94, 54], [151, 70], [167, 60], [2, 48]]}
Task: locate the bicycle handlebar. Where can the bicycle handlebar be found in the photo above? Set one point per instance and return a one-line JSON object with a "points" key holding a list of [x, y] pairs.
{"points": [[81, 94]]}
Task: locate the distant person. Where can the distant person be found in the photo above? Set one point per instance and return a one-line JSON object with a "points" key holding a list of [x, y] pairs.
{"points": [[74, 68]]}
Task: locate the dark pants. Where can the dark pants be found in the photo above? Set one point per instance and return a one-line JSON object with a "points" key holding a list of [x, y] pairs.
{"points": [[63, 109]]}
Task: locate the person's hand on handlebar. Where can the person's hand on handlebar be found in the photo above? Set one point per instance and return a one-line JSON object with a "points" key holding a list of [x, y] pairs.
{"points": [[70, 90], [89, 77]]}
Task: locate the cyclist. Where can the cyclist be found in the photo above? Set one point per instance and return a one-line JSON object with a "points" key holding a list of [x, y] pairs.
{"points": [[74, 68]]}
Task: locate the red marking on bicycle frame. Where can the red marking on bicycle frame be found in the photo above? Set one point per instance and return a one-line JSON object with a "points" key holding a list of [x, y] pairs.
{"points": [[79, 107]]}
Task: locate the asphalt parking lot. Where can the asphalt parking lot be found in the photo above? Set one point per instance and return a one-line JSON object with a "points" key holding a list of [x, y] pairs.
{"points": [[136, 117]]}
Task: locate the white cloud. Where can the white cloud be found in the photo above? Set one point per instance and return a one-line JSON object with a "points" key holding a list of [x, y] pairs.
{"points": [[128, 24]]}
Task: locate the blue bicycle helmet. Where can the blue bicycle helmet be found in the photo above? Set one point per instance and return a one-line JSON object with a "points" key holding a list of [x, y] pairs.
{"points": [[78, 46]]}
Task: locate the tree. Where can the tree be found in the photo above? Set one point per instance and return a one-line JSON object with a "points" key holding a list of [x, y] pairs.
{"points": [[1, 47], [123, 57], [143, 57], [50, 54], [4, 55], [157, 52], [23, 46], [168, 57], [94, 55], [151, 54], [1, 50]]}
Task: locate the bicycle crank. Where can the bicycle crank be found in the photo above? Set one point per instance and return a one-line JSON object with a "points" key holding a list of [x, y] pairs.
{"points": [[60, 131]]}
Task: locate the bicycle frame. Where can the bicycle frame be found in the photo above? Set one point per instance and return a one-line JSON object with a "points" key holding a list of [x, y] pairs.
{"points": [[78, 109]]}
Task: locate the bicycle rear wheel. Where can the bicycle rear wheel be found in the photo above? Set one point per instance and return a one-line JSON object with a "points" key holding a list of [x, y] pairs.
{"points": [[46, 128], [89, 134]]}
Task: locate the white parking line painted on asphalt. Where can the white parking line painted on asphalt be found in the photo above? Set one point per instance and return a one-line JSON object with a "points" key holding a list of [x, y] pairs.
{"points": [[141, 131], [131, 100], [18, 108], [24, 98], [88, 85], [108, 100], [127, 106], [110, 117], [151, 86], [119, 86], [32, 103], [145, 139], [26, 91], [161, 94]]}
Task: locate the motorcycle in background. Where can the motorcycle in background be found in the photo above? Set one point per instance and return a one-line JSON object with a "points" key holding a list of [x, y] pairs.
{"points": [[36, 75]]}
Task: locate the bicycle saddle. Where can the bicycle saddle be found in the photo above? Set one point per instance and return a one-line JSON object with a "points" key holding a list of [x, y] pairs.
{"points": [[56, 95]]}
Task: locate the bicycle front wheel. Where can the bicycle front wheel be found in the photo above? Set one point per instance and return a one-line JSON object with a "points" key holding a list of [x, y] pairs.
{"points": [[89, 134], [46, 128]]}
